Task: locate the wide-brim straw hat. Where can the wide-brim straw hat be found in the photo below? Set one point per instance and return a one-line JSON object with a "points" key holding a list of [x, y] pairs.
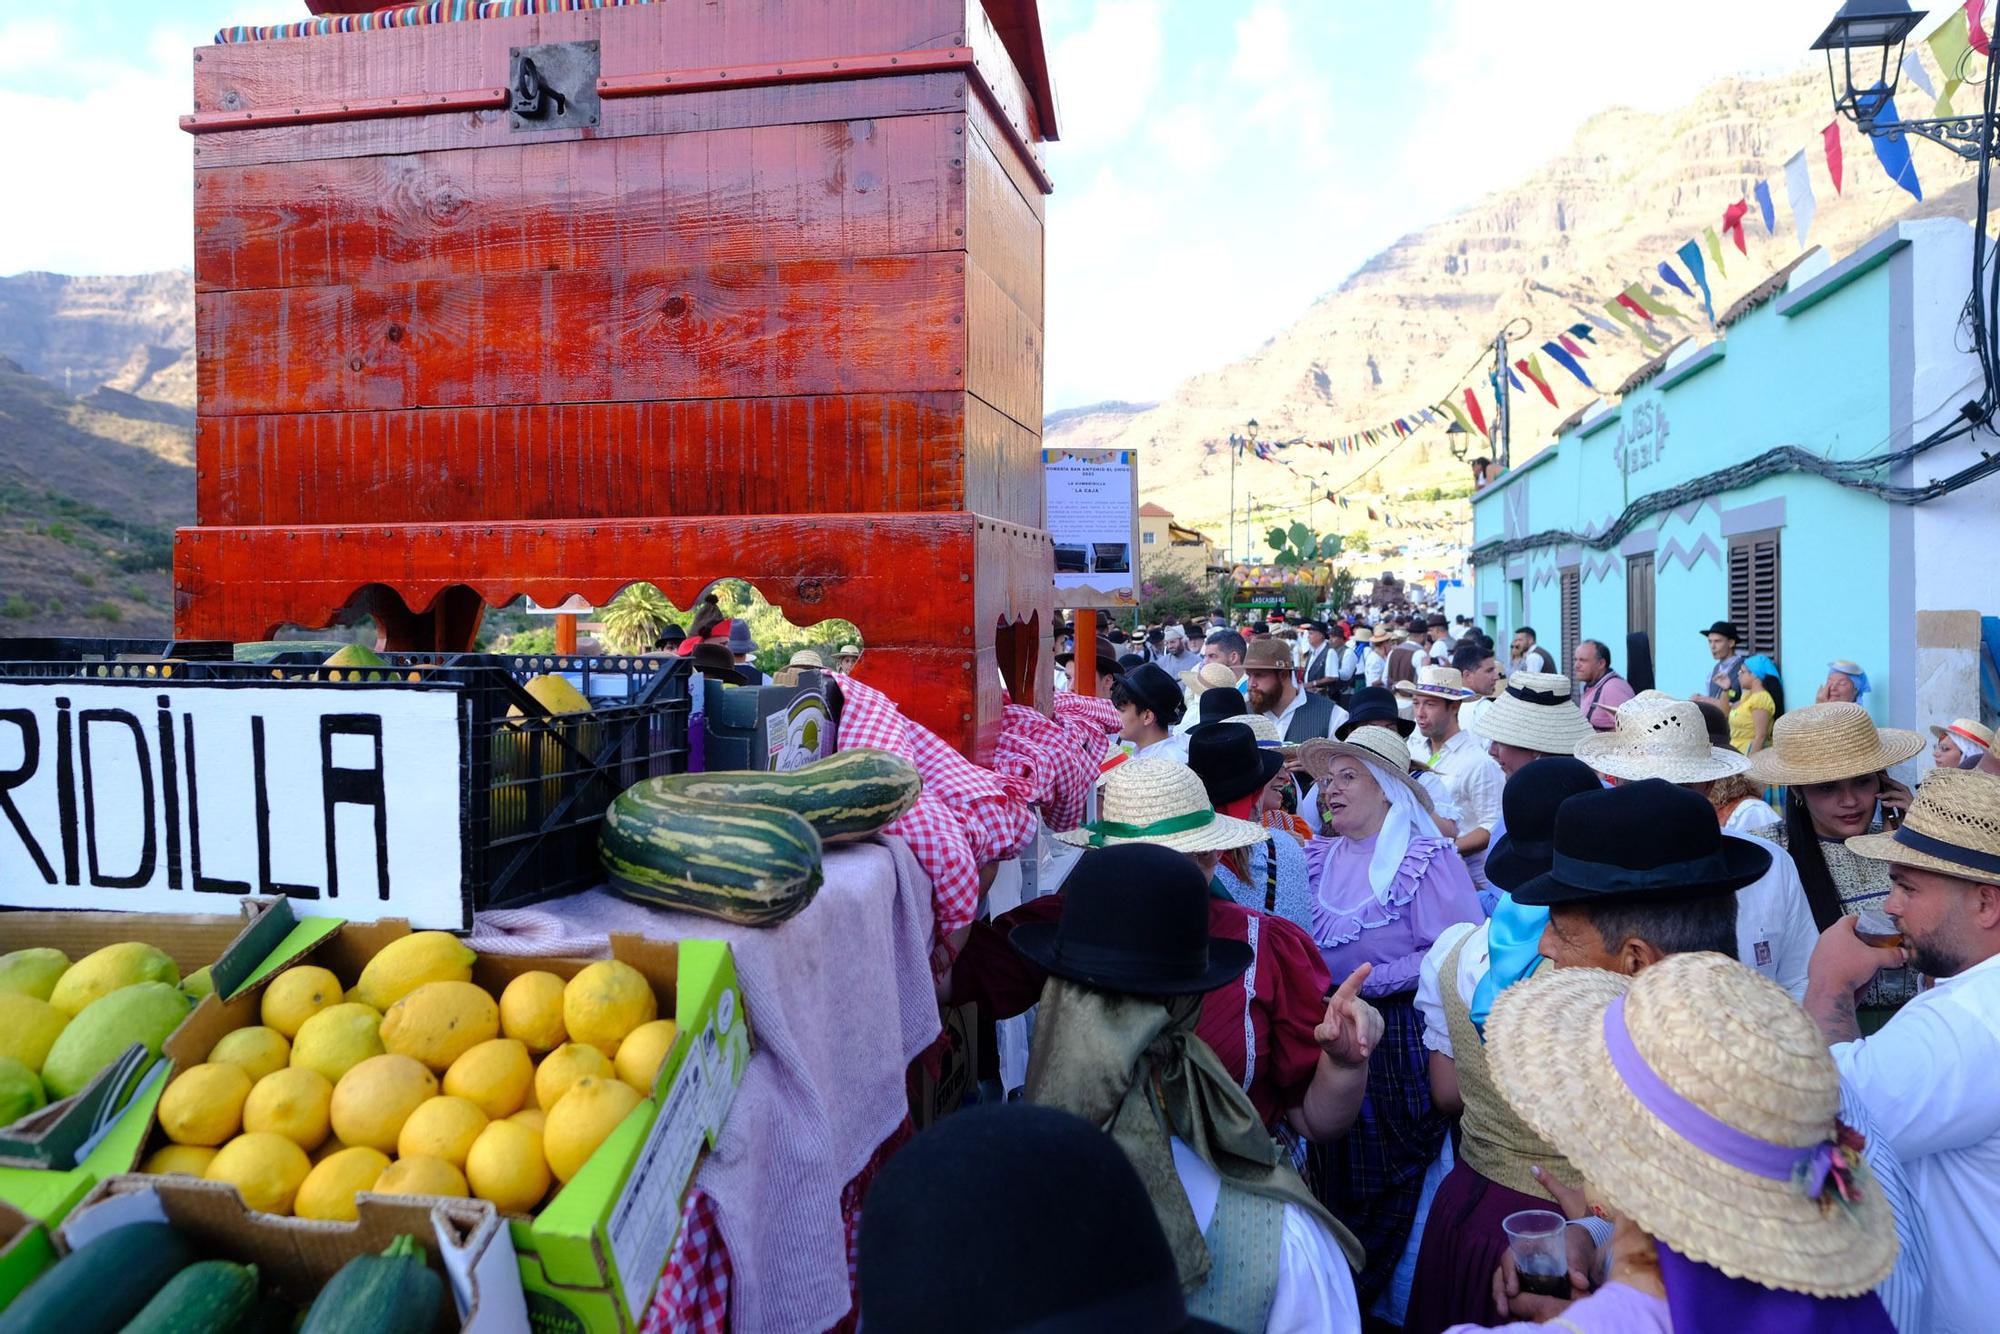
{"points": [[1823, 743], [1381, 749], [1966, 729], [805, 657], [1535, 712], [1262, 726], [1953, 828], [1161, 802], [1729, 1041], [848, 651], [1446, 683], [1659, 738], [1208, 676]]}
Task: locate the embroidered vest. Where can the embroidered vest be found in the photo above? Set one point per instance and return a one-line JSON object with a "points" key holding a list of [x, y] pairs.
{"points": [[1492, 1140], [1244, 1239]]}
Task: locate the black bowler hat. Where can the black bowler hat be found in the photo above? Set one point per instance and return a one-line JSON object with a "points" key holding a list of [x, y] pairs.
{"points": [[1151, 686], [1062, 1234], [1647, 839], [1320, 626], [1529, 804], [1127, 661], [1229, 762], [671, 635], [1135, 920], [1727, 629], [1219, 702], [1107, 661], [1373, 704]]}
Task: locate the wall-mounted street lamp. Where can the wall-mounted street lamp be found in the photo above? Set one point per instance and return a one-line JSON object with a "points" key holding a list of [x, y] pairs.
{"points": [[1864, 60]]}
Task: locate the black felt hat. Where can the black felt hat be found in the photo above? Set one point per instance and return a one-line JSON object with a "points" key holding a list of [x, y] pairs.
{"points": [[1107, 661], [1529, 804], [1012, 1217], [1373, 704], [1151, 686], [1648, 839], [1135, 920], [1219, 702], [1727, 629], [1229, 762]]}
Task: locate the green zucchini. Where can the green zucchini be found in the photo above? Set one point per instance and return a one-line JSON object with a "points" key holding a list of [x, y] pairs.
{"points": [[748, 864], [843, 797], [99, 1286], [208, 1297], [391, 1293]]}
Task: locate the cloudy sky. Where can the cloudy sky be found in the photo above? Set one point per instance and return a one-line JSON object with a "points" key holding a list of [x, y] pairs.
{"points": [[1222, 162]]}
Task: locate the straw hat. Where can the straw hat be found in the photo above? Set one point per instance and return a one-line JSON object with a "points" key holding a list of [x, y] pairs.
{"points": [[1703, 1040], [1953, 828], [1966, 729], [1659, 738], [805, 657], [848, 651], [1378, 747], [1438, 683], [1822, 743], [1263, 727], [1208, 676], [1535, 712], [1163, 802], [1362, 635]]}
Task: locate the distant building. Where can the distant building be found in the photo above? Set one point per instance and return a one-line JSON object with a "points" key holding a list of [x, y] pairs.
{"points": [[1663, 511], [1165, 547]]}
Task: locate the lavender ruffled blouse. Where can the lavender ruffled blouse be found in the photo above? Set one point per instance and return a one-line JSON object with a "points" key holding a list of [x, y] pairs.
{"points": [[1430, 891]]}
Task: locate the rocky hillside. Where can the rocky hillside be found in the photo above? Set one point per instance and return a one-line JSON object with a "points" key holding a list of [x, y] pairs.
{"points": [[1408, 327]]}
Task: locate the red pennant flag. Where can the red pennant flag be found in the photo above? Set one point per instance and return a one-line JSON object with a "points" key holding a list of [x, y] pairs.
{"points": [[1975, 27], [1635, 308], [1832, 136], [1570, 346], [1538, 381], [1732, 222], [1478, 417]]}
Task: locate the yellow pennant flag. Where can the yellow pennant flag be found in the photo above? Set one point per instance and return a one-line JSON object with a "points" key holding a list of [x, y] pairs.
{"points": [[1714, 244], [1651, 304], [1951, 45], [1632, 326]]}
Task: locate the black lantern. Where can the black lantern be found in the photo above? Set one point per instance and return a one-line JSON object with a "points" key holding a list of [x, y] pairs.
{"points": [[1868, 34]]}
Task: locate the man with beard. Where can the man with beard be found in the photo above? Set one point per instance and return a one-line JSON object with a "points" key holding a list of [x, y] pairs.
{"points": [[1274, 692]]}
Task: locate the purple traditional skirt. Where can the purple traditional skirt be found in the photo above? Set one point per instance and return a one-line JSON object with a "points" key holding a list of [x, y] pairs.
{"points": [[1461, 1248]]}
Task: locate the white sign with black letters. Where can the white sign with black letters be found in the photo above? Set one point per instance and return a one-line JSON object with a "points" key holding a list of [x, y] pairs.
{"points": [[150, 797]]}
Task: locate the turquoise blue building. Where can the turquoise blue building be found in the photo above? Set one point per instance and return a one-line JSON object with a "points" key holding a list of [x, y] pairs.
{"points": [[1765, 476]]}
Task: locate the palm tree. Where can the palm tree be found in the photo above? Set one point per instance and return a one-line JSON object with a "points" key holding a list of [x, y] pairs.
{"points": [[633, 621]]}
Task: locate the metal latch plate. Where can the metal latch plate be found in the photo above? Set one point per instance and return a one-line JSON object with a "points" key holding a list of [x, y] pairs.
{"points": [[553, 86]]}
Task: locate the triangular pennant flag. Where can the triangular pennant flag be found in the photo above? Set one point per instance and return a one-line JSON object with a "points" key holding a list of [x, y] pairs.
{"points": [[1893, 152], [1627, 300], [1569, 346], [1617, 311], [1532, 368], [1831, 134], [1914, 71], [1515, 381], [1732, 222], [1975, 27], [1599, 321], [1651, 304], [1799, 194], [1581, 331], [1562, 357], [1951, 47], [1458, 417], [1478, 417], [1691, 256], [1714, 244], [1674, 279], [1762, 192]]}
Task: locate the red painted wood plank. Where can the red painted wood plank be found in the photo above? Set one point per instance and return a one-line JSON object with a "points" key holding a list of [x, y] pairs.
{"points": [[1003, 233], [1003, 351]]}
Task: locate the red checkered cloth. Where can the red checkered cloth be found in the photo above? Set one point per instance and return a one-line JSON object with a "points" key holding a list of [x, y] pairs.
{"points": [[1053, 762]]}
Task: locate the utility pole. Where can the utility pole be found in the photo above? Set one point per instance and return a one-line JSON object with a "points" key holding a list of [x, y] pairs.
{"points": [[1500, 407]]}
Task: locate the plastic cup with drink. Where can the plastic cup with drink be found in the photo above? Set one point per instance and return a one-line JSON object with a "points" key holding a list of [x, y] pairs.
{"points": [[1540, 1245]]}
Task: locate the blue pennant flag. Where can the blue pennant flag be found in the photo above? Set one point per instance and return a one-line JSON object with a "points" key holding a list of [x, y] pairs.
{"points": [[1515, 380], [1691, 256], [1560, 355], [1893, 152], [1762, 192], [1674, 279]]}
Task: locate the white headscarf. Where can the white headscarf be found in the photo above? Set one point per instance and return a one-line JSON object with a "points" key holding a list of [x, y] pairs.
{"points": [[1406, 818]]}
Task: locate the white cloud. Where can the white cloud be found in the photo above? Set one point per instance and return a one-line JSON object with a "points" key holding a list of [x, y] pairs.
{"points": [[1109, 72]]}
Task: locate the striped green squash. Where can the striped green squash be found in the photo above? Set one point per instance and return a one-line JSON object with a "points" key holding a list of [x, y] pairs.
{"points": [[744, 863], [844, 797]]}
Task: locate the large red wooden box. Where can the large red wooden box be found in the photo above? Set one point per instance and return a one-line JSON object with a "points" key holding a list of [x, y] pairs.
{"points": [[750, 289]]}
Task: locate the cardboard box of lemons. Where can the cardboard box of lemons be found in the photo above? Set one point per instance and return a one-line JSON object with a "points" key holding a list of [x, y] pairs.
{"points": [[440, 1022], [110, 969], [338, 1038], [204, 1104], [371, 1101], [28, 1028], [407, 963], [267, 1169], [296, 995], [506, 1167], [294, 1102], [564, 1066], [642, 1053], [531, 1012], [329, 1189], [179, 1159], [257, 1050], [443, 1127], [496, 1076], [32, 972], [605, 1002], [21, 1091], [422, 1175], [581, 1120]]}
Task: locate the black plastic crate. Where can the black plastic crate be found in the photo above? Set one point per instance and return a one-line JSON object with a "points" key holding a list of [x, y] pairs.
{"points": [[533, 786]]}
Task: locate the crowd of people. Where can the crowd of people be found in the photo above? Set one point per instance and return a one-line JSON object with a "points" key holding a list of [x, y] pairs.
{"points": [[1393, 990]]}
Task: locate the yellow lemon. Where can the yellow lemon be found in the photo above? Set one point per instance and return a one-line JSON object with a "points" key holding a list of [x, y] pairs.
{"points": [[439, 1022], [606, 1001], [28, 1028], [422, 1176], [337, 1039], [187, 1159], [642, 1052], [325, 1151], [506, 1167], [329, 1189], [111, 969], [564, 1066], [296, 995], [266, 1168], [293, 1102], [534, 1118], [531, 1011], [256, 1050], [204, 1104], [587, 1113], [441, 1128], [402, 966], [371, 1101], [496, 1075]]}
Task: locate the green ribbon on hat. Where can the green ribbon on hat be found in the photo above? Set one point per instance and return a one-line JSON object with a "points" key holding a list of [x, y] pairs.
{"points": [[1173, 824]]}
